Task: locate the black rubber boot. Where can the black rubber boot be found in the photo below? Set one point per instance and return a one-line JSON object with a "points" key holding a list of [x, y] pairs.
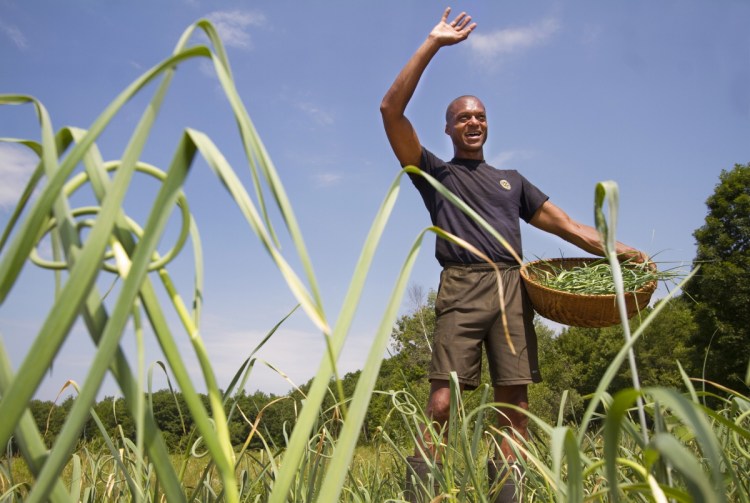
{"points": [[417, 470], [510, 478]]}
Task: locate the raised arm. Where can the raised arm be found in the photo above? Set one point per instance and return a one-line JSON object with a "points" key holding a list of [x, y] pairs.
{"points": [[401, 134], [552, 219]]}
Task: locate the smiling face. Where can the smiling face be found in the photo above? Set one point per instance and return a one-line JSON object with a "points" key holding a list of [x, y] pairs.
{"points": [[466, 124]]}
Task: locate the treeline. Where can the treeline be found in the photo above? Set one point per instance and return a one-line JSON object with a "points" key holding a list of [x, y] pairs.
{"points": [[572, 361], [259, 419], [171, 415]]}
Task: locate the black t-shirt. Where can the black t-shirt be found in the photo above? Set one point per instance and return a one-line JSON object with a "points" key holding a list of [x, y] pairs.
{"points": [[501, 197]]}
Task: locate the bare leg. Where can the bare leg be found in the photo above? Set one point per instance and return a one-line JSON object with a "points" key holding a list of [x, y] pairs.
{"points": [[438, 410], [517, 421], [510, 418]]}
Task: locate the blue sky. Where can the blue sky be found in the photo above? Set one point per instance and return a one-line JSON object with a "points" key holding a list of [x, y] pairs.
{"points": [[653, 95]]}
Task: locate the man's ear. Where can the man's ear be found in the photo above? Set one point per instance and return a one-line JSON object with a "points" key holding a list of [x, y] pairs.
{"points": [[446, 129]]}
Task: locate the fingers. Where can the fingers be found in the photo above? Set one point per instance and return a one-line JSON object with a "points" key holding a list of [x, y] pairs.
{"points": [[633, 255], [455, 31], [461, 23], [446, 14], [644, 258], [640, 257]]}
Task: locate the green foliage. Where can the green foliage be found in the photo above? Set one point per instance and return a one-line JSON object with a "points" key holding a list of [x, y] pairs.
{"points": [[587, 352], [560, 379], [411, 339], [666, 343], [49, 418], [721, 288], [695, 454], [407, 368], [569, 363]]}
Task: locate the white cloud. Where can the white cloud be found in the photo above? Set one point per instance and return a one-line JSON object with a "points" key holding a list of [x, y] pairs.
{"points": [[591, 34], [232, 26], [289, 358], [281, 351], [14, 34], [326, 179], [207, 68], [508, 158], [492, 46], [320, 116], [16, 165]]}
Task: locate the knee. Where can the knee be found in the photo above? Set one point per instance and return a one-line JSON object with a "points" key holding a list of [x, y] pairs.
{"points": [[514, 395], [518, 397], [438, 407]]}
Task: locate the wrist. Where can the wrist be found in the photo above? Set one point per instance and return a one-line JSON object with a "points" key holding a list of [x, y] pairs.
{"points": [[433, 42]]}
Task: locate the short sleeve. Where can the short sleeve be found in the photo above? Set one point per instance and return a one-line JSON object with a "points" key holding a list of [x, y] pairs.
{"points": [[531, 199]]}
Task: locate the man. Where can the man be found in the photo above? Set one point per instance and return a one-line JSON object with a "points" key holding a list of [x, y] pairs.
{"points": [[467, 306]]}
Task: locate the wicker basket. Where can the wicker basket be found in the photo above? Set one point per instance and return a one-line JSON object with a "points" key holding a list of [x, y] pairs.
{"points": [[575, 309]]}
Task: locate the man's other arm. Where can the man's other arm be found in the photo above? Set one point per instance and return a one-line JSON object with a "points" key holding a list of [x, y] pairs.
{"points": [[554, 220]]}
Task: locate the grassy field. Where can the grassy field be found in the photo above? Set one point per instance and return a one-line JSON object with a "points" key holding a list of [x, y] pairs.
{"points": [[563, 463]]}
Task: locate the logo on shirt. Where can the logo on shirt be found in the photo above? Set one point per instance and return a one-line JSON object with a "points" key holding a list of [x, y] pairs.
{"points": [[504, 184]]}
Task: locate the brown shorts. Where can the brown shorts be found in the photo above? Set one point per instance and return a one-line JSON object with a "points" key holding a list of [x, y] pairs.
{"points": [[468, 315]]}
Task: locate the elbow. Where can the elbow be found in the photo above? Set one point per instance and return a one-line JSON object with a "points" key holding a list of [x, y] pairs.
{"points": [[389, 108], [389, 115], [386, 108]]}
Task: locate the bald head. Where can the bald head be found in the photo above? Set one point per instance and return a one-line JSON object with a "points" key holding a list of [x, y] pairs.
{"points": [[458, 103]]}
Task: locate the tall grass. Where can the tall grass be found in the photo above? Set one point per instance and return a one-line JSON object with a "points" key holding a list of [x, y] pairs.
{"points": [[678, 450]]}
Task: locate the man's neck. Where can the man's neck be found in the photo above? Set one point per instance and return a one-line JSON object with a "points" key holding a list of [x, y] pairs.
{"points": [[475, 155]]}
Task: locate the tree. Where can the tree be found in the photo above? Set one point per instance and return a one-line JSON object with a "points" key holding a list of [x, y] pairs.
{"points": [[666, 341], [172, 417], [49, 418], [560, 374], [721, 288], [587, 352], [113, 413], [411, 339]]}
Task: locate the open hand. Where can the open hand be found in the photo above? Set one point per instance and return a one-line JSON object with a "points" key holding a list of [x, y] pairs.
{"points": [[454, 32]]}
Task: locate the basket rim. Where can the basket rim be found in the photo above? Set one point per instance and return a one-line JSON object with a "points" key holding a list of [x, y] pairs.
{"points": [[648, 288]]}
